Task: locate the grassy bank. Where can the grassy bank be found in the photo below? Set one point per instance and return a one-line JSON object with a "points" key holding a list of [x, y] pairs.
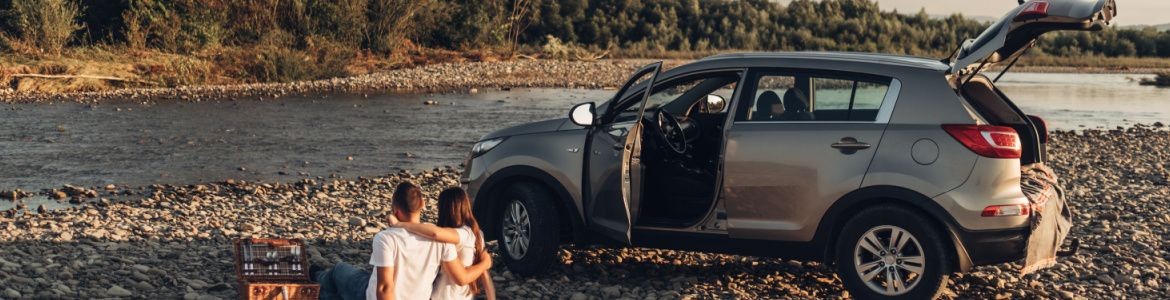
{"points": [[91, 69], [96, 69]]}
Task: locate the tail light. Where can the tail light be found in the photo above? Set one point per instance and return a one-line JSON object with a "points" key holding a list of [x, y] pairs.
{"points": [[1033, 10], [987, 140], [1006, 210]]}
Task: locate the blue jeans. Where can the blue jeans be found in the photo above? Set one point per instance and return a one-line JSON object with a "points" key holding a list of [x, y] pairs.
{"points": [[344, 282]]}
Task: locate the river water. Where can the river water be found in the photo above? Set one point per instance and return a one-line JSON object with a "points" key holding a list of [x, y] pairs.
{"points": [[47, 145]]}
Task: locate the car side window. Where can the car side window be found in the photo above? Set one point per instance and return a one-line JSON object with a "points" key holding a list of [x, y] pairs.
{"points": [[814, 96], [767, 103], [676, 96], [847, 99]]}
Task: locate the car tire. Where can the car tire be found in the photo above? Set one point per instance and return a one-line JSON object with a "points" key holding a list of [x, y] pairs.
{"points": [[527, 212], [918, 269]]}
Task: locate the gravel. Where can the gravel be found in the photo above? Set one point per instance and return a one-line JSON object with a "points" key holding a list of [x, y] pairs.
{"points": [[166, 241]]}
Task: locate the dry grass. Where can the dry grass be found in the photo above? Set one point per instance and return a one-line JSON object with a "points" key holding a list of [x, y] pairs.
{"points": [[220, 65], [323, 59]]}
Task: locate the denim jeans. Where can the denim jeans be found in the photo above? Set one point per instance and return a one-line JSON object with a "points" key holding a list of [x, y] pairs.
{"points": [[344, 282]]}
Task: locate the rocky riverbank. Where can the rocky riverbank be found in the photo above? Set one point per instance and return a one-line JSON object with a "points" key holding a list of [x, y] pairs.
{"points": [[444, 77], [166, 241]]}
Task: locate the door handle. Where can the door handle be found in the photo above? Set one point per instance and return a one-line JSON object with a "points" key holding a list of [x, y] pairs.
{"points": [[619, 146], [849, 143]]}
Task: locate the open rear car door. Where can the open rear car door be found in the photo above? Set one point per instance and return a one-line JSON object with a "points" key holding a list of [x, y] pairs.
{"points": [[1009, 37], [1006, 40]]}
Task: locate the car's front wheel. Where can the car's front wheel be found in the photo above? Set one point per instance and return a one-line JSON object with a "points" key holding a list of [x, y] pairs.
{"points": [[529, 230], [890, 252]]}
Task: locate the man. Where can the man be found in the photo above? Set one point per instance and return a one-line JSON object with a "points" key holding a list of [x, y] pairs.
{"points": [[405, 264]]}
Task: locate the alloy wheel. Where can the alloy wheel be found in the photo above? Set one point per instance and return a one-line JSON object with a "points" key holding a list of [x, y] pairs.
{"points": [[517, 229], [889, 260]]}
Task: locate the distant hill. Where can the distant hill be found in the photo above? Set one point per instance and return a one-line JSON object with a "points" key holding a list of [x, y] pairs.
{"points": [[1160, 27], [976, 18]]}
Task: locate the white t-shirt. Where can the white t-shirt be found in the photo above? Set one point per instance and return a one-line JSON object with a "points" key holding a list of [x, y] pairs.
{"points": [[445, 287], [415, 259]]}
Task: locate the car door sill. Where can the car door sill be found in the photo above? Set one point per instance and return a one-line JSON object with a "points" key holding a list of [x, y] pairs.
{"points": [[720, 242]]}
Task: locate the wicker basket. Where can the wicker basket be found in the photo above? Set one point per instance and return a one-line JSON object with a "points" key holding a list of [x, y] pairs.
{"points": [[279, 291], [274, 269]]}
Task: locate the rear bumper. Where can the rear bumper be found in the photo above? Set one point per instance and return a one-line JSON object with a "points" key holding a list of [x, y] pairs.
{"points": [[987, 247]]}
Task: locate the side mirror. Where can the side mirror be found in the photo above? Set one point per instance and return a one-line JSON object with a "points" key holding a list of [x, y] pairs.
{"points": [[582, 114], [715, 104]]}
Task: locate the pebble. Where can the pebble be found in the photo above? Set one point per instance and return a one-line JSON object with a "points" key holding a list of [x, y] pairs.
{"points": [[117, 291], [11, 293]]}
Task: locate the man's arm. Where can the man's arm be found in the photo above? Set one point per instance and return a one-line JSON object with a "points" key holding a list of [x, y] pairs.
{"points": [[382, 259], [385, 288], [465, 275]]}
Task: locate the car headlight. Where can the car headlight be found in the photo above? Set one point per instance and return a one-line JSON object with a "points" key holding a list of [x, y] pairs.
{"points": [[484, 146]]}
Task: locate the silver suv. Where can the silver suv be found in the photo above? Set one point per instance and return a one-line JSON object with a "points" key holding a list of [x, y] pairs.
{"points": [[897, 170]]}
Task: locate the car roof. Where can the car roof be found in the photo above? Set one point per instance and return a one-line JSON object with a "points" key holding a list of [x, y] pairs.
{"points": [[749, 59]]}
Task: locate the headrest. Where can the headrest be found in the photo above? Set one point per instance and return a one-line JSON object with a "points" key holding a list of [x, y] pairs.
{"points": [[765, 102], [795, 101]]}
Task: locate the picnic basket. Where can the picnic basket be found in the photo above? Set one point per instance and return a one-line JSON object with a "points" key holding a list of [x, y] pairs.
{"points": [[273, 269]]}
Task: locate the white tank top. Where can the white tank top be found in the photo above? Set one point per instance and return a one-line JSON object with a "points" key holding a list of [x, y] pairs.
{"points": [[445, 287]]}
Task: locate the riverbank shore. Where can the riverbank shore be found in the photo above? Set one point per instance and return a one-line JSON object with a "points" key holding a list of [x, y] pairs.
{"points": [[169, 241], [460, 77]]}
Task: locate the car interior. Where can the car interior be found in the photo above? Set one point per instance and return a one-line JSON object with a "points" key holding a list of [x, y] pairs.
{"points": [[684, 132]]}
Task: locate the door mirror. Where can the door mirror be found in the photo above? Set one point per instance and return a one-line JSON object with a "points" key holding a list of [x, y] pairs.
{"points": [[714, 104], [582, 114]]}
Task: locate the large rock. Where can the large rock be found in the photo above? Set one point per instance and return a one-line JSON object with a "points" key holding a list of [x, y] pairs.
{"points": [[118, 291]]}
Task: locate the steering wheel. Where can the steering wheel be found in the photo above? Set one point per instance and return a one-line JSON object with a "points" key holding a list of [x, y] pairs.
{"points": [[672, 132]]}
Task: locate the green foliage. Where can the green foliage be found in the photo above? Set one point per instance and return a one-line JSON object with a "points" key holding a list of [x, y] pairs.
{"points": [[46, 25], [656, 26], [389, 22], [175, 25], [627, 27]]}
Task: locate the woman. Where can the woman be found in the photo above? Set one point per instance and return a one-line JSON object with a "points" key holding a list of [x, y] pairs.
{"points": [[456, 226]]}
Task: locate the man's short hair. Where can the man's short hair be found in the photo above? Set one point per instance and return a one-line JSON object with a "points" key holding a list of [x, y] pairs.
{"points": [[408, 198]]}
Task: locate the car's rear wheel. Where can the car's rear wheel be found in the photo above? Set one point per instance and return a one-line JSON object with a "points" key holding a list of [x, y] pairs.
{"points": [[890, 252], [529, 236]]}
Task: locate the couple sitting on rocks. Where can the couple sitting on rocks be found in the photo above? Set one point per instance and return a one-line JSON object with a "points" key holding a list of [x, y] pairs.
{"points": [[408, 256]]}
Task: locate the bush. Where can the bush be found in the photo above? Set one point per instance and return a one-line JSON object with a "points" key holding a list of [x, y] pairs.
{"points": [[389, 23], [273, 63], [177, 26], [47, 25]]}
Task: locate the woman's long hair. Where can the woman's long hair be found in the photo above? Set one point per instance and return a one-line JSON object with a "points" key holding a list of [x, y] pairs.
{"points": [[455, 212]]}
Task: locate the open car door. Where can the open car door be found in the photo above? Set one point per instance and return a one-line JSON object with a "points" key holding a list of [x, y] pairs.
{"points": [[614, 168], [1009, 37]]}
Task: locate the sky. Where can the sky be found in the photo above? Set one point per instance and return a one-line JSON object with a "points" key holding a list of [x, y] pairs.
{"points": [[1129, 12]]}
